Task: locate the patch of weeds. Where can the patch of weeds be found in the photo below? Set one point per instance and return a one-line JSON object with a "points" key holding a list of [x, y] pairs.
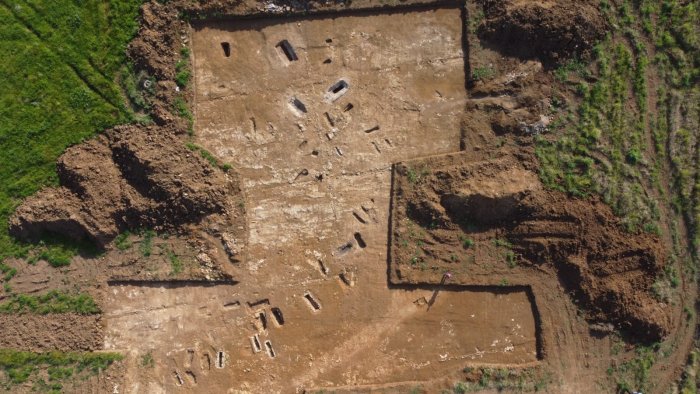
{"points": [[59, 250], [208, 157], [51, 302], [503, 380], [18, 366], [182, 70], [415, 176], [483, 73], [633, 375], [572, 66], [7, 272], [466, 242], [147, 360], [689, 314], [122, 241], [146, 245], [175, 263], [503, 282], [138, 87], [502, 243], [511, 259]]}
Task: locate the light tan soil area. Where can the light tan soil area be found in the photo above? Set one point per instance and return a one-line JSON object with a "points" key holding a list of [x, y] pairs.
{"points": [[359, 336], [317, 191]]}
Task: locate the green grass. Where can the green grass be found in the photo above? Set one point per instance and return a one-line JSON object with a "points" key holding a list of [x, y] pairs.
{"points": [[182, 68], [146, 245], [175, 263], [60, 58], [20, 366], [504, 380], [208, 157], [602, 148], [633, 375], [51, 302], [122, 241], [482, 73]]}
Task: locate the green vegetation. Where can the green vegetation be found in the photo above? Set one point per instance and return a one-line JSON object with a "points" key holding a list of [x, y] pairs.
{"points": [[504, 379], [502, 243], [146, 245], [482, 73], [147, 360], [466, 242], [605, 148], [416, 175], [209, 157], [175, 263], [122, 241], [182, 68], [60, 59], [19, 366], [633, 375], [51, 302], [58, 250]]}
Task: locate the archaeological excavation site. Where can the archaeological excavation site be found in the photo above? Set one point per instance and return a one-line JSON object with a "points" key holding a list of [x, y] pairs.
{"points": [[356, 196]]}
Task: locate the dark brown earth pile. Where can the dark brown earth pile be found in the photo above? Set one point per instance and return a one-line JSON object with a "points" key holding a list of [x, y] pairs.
{"points": [[488, 220], [552, 31], [131, 177]]}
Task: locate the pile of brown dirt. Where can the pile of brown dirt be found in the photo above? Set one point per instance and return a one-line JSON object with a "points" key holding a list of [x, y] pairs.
{"points": [[130, 177], [489, 220], [551, 30]]}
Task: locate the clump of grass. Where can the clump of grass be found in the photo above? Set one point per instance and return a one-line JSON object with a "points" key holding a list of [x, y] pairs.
{"points": [[51, 302], [146, 246], [182, 71], [58, 250], [482, 73], [502, 243], [209, 157], [175, 263], [147, 360], [416, 175], [511, 259], [466, 242], [122, 241]]}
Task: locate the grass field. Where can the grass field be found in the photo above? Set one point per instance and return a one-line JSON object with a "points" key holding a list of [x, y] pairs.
{"points": [[60, 62]]}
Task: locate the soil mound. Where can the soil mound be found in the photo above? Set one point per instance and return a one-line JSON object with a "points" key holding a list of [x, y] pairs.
{"points": [[487, 220], [128, 178], [550, 30]]}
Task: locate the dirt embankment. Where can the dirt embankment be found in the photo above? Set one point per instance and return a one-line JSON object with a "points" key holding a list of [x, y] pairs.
{"points": [[487, 221], [130, 177], [552, 31]]}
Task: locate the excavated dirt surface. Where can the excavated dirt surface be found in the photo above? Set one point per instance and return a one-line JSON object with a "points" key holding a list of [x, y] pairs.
{"points": [[316, 178], [363, 159], [37, 333]]}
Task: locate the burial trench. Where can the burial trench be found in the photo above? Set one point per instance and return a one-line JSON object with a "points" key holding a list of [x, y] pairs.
{"points": [[312, 112]]}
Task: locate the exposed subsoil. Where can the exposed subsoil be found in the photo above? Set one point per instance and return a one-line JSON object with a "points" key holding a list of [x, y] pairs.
{"points": [[41, 333]]}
